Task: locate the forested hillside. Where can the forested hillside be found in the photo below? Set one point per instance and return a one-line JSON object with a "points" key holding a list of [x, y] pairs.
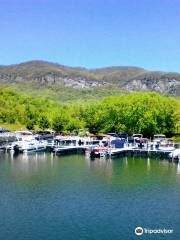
{"points": [[147, 113]]}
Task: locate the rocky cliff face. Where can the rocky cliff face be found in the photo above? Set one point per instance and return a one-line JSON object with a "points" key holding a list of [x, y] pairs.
{"points": [[127, 78], [50, 79], [67, 81], [168, 86]]}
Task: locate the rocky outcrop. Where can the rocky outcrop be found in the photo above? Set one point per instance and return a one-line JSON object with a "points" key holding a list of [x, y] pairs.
{"points": [[74, 82], [168, 86]]}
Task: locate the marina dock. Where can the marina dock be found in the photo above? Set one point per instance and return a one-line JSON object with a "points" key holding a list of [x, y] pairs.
{"points": [[107, 147], [118, 152]]}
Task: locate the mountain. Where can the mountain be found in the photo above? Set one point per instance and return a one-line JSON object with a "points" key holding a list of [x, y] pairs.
{"points": [[46, 75]]}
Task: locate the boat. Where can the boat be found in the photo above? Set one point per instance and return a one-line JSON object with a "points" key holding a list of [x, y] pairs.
{"points": [[50, 145], [137, 136], [175, 155], [166, 146], [26, 142], [10, 147], [58, 150], [97, 151], [20, 137], [159, 137], [30, 146]]}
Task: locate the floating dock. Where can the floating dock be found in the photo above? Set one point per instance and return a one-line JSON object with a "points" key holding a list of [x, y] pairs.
{"points": [[116, 152], [70, 149]]}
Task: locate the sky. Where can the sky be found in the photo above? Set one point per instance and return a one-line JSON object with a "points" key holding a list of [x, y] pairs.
{"points": [[92, 33]]}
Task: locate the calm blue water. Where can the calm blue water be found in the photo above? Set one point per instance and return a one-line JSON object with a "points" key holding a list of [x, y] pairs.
{"points": [[71, 197]]}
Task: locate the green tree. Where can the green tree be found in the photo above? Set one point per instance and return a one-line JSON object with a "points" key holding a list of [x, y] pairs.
{"points": [[43, 122], [59, 122], [30, 124], [93, 118]]}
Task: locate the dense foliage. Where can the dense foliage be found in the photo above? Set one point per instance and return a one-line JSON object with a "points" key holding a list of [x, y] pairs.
{"points": [[146, 113]]}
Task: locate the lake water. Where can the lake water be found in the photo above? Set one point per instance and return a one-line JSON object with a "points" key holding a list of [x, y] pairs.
{"points": [[71, 197]]}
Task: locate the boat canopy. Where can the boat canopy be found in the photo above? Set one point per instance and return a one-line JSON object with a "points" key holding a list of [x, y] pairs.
{"points": [[159, 136]]}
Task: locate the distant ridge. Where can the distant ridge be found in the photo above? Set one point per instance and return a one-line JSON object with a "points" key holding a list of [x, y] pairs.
{"points": [[125, 78]]}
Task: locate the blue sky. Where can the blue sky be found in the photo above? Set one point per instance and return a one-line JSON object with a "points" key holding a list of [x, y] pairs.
{"points": [[92, 33]]}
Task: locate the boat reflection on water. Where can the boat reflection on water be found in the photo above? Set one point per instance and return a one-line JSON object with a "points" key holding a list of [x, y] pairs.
{"points": [[100, 165], [148, 164], [28, 164], [178, 169]]}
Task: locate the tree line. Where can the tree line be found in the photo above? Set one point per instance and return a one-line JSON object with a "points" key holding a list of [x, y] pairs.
{"points": [[146, 113]]}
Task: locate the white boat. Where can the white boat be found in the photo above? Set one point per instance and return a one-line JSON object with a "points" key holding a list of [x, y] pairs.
{"points": [[159, 137], [166, 146], [137, 136], [21, 136], [31, 146], [175, 154], [26, 142]]}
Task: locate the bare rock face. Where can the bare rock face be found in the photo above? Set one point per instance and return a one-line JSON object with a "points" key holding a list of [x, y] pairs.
{"points": [[74, 82], [10, 78], [169, 86]]}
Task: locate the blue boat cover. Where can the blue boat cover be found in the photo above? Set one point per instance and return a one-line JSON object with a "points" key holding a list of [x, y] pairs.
{"points": [[118, 143]]}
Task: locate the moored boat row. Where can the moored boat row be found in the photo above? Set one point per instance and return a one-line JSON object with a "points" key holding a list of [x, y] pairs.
{"points": [[102, 146]]}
